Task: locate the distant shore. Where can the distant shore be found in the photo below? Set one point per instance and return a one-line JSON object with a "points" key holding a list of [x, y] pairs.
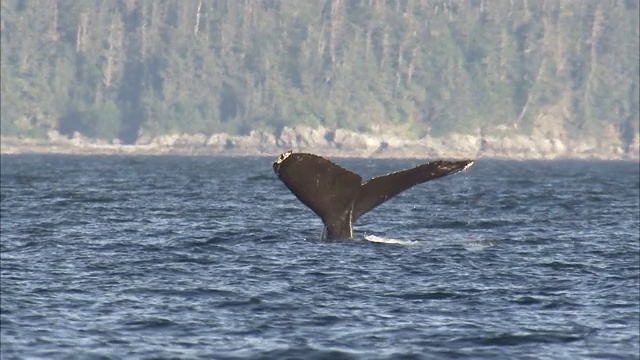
{"points": [[333, 143]]}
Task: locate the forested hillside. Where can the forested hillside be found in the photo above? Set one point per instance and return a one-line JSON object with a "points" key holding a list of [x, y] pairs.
{"points": [[123, 69]]}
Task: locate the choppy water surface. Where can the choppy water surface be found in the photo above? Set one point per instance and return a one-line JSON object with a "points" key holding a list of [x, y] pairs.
{"points": [[204, 257]]}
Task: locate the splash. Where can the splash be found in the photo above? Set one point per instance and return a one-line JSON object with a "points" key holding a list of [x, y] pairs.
{"points": [[378, 239], [479, 244]]}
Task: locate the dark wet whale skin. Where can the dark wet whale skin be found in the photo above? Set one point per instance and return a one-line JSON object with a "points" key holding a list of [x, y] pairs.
{"points": [[338, 195]]}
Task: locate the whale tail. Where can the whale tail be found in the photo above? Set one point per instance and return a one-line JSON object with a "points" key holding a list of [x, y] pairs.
{"points": [[338, 196], [382, 188]]}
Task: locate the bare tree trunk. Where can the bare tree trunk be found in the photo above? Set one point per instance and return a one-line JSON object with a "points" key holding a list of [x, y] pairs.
{"points": [[337, 19], [114, 51], [53, 30], [596, 32], [81, 31], [197, 25], [529, 94]]}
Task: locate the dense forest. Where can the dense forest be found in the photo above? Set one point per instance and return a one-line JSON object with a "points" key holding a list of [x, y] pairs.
{"points": [[119, 69]]}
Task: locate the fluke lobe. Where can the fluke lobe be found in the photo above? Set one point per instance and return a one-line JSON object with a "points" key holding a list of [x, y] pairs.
{"points": [[338, 195]]}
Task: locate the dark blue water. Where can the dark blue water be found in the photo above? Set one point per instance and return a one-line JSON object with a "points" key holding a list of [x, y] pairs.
{"points": [[204, 257]]}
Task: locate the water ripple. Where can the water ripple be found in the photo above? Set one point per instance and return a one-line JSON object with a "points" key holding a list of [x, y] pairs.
{"points": [[204, 257]]}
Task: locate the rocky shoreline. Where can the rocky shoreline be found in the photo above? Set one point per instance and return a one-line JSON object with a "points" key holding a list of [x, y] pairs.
{"points": [[334, 143]]}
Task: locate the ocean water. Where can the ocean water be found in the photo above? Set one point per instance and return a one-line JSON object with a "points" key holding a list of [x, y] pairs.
{"points": [[109, 257]]}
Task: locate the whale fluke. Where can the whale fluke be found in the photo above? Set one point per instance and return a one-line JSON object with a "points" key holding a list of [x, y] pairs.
{"points": [[338, 196]]}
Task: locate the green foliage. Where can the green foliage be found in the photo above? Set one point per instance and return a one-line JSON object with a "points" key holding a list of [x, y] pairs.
{"points": [[105, 120], [111, 69]]}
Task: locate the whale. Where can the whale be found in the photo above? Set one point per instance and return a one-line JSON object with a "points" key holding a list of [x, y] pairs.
{"points": [[339, 197]]}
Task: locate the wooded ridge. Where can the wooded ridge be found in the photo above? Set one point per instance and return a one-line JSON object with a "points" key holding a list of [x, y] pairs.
{"points": [[132, 70]]}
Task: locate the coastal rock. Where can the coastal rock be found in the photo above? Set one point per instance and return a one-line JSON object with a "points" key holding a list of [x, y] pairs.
{"points": [[164, 140], [303, 137], [341, 142], [55, 137], [188, 140], [348, 140], [217, 141]]}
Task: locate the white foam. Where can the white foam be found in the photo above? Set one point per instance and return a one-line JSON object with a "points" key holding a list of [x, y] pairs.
{"points": [[479, 244], [378, 239]]}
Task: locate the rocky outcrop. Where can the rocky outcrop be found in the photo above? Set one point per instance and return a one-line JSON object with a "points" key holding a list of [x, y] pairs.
{"points": [[340, 142]]}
